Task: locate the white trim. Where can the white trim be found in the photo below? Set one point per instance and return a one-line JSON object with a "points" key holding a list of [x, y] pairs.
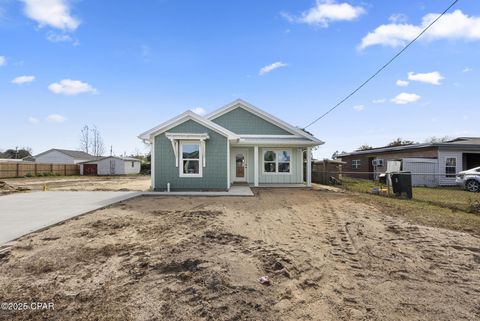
{"points": [[282, 142], [269, 136], [262, 114], [152, 165], [200, 159], [228, 165], [255, 166], [276, 150], [188, 115], [309, 167], [300, 157], [187, 136]]}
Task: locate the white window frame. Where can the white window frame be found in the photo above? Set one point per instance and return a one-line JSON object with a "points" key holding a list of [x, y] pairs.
{"points": [[200, 158], [450, 175], [356, 163], [276, 151]]}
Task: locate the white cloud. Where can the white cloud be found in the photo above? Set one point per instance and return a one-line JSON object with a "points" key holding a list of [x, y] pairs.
{"points": [[23, 80], [53, 13], [71, 87], [327, 11], [199, 110], [402, 83], [33, 120], [467, 69], [269, 68], [405, 98], [379, 101], [397, 18], [3, 61], [433, 78], [55, 37], [359, 107], [455, 25], [55, 118]]}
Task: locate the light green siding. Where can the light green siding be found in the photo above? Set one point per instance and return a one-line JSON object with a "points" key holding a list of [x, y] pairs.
{"points": [[295, 175], [296, 161], [241, 121], [214, 173]]}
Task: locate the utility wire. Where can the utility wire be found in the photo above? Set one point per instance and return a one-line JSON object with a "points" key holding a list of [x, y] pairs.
{"points": [[383, 67]]}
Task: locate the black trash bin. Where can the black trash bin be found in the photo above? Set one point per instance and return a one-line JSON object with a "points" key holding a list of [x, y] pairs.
{"points": [[402, 183]]}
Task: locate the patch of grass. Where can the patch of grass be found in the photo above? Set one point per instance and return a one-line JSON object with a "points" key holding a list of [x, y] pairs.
{"points": [[449, 197], [424, 213], [444, 207]]}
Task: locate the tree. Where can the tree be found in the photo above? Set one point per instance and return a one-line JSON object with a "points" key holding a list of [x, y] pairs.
{"points": [[337, 153], [365, 147], [91, 141], [400, 142], [97, 147], [85, 139], [434, 139], [18, 153]]}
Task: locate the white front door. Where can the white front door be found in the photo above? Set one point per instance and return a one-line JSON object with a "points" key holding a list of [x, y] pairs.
{"points": [[239, 157]]}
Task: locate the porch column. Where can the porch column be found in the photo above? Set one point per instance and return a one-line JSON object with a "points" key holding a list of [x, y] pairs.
{"points": [[255, 166], [309, 166], [152, 163]]}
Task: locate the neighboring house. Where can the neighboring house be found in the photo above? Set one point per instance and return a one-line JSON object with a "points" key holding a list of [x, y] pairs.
{"points": [[238, 143], [111, 165], [63, 156], [432, 164]]}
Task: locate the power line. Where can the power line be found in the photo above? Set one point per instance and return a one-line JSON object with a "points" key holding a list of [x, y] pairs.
{"points": [[383, 67]]}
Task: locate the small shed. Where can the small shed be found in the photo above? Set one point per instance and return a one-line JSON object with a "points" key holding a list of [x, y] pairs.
{"points": [[111, 165]]}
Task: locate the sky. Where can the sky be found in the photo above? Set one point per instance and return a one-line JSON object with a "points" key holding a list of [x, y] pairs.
{"points": [[127, 66]]}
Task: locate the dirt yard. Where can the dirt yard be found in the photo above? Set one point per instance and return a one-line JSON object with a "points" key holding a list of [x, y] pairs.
{"points": [[83, 183], [328, 256]]}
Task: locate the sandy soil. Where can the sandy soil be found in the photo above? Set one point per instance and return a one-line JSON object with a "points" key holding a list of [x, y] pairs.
{"points": [[83, 183], [328, 258]]}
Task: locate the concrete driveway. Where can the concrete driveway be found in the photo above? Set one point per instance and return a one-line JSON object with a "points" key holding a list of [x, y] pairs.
{"points": [[23, 213]]}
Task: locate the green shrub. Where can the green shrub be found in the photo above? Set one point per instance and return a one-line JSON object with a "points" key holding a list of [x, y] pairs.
{"points": [[29, 175]]}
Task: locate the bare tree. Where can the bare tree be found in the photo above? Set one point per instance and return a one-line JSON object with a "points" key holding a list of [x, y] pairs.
{"points": [[85, 139], [435, 139], [97, 147]]}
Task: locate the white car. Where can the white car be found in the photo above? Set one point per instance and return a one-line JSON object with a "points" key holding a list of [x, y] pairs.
{"points": [[469, 180]]}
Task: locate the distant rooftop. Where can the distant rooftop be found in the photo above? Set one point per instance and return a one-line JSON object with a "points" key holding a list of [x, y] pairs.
{"points": [[457, 142], [77, 154]]}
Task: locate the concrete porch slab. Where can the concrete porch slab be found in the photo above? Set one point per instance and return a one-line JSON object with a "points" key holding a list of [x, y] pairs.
{"points": [[234, 191]]}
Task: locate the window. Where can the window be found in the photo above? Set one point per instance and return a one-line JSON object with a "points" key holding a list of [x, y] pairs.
{"points": [[133, 164], [356, 163], [276, 162], [270, 161], [190, 165], [450, 167]]}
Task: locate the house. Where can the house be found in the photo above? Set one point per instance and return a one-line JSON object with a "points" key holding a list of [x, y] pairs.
{"points": [[63, 156], [238, 143], [432, 164], [110, 165]]}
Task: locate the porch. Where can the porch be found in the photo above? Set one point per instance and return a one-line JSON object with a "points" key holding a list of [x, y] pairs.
{"points": [[269, 166]]}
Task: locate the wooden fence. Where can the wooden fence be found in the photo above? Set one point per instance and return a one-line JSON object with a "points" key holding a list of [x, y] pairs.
{"points": [[22, 169]]}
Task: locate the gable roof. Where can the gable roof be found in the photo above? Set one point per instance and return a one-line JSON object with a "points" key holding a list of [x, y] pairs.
{"points": [[76, 154], [188, 115], [126, 159], [240, 103]]}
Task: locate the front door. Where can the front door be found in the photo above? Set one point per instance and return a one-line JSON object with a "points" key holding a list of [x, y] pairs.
{"points": [[240, 169]]}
